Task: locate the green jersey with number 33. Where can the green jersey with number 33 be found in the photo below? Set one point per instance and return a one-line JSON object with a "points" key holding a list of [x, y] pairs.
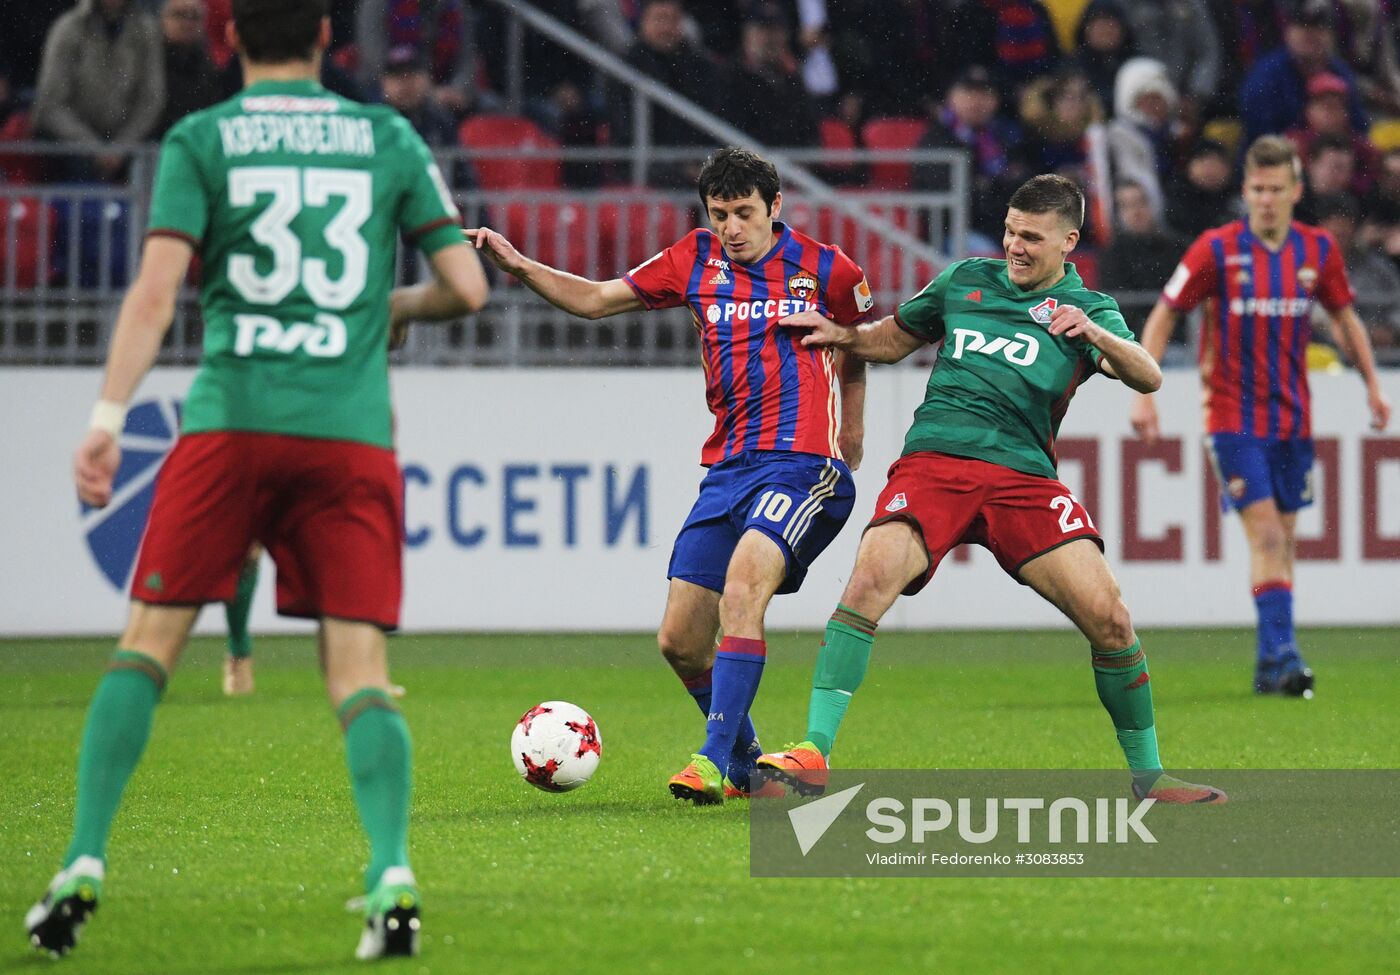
{"points": [[1002, 382], [294, 199]]}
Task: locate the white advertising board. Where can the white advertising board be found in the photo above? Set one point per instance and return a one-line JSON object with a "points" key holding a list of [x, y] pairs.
{"points": [[548, 500]]}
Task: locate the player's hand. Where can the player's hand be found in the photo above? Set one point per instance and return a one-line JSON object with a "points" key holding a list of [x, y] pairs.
{"points": [[1143, 414], [1071, 322], [821, 331], [1380, 409], [498, 250], [94, 466]]}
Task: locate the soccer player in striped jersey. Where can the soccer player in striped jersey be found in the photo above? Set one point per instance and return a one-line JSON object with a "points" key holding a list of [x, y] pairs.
{"points": [[1259, 279], [787, 435]]}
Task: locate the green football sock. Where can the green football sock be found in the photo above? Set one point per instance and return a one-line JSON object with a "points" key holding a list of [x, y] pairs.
{"points": [[1126, 692], [841, 666], [238, 609], [118, 725], [377, 749]]}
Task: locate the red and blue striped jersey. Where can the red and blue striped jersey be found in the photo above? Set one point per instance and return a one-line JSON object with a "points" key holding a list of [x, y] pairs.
{"points": [[1257, 322], [766, 391]]}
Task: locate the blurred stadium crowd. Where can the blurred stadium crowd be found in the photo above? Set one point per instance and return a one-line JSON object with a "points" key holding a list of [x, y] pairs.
{"points": [[1147, 103]]}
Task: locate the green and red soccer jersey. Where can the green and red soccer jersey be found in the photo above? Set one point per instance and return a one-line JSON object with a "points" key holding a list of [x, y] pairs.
{"points": [[294, 199], [1002, 382]]}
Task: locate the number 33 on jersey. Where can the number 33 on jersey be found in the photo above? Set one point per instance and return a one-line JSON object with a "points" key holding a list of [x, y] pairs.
{"points": [[294, 199]]}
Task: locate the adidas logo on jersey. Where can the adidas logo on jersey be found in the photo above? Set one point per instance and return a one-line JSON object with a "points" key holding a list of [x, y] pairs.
{"points": [[720, 277], [897, 503]]}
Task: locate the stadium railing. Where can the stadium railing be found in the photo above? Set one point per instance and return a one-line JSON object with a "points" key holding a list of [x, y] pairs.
{"points": [[68, 249]]}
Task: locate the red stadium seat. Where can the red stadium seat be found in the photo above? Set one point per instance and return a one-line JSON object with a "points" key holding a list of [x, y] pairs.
{"points": [[892, 133], [836, 134], [17, 167], [881, 263], [511, 132], [554, 233], [19, 229], [634, 230]]}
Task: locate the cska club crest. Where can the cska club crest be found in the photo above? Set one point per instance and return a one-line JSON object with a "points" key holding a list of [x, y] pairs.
{"points": [[1041, 312], [802, 285], [1307, 277]]}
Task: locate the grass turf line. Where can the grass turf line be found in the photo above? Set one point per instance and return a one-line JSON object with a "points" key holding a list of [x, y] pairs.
{"points": [[238, 844]]}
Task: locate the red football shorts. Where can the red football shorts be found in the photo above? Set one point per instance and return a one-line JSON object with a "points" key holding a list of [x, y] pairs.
{"points": [[329, 512], [954, 500]]}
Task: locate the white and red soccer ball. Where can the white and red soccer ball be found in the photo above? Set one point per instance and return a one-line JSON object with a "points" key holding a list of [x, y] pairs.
{"points": [[556, 746]]}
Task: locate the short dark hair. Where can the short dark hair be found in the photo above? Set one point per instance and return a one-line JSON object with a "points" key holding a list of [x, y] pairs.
{"points": [[276, 31], [1051, 193], [732, 173]]}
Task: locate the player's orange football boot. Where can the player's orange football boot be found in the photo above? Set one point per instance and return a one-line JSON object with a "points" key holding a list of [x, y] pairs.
{"points": [[768, 790], [801, 767], [700, 782], [1170, 789]]}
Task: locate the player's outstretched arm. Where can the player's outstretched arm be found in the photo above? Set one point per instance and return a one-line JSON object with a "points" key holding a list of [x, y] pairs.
{"points": [[575, 295], [1123, 360], [1161, 322], [1355, 344], [145, 316], [458, 287], [881, 341]]}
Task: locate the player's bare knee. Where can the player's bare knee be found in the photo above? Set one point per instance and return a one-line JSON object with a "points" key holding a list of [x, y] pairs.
{"points": [[684, 655], [1271, 541], [741, 603], [1112, 626]]}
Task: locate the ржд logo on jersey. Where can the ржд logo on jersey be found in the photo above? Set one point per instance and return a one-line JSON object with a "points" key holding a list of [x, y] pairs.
{"points": [[324, 340], [1020, 353]]}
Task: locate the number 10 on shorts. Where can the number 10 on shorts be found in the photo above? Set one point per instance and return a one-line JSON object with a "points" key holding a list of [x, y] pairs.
{"points": [[773, 506]]}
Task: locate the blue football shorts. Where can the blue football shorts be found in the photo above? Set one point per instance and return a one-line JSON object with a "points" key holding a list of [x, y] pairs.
{"points": [[799, 500], [1255, 468]]}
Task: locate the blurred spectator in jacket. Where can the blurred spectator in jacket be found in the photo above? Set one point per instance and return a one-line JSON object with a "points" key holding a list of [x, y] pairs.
{"points": [[664, 52], [1275, 89], [441, 29], [408, 89], [1141, 132], [193, 76], [1329, 172], [1142, 258], [1183, 36], [768, 100], [968, 120], [1374, 277], [102, 78], [1326, 115], [1365, 32], [1203, 194], [1057, 112], [1103, 45], [1014, 38]]}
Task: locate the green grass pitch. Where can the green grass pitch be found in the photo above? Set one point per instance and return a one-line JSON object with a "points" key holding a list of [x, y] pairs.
{"points": [[238, 845]]}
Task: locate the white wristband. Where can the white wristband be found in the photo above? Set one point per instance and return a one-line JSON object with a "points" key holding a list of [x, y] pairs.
{"points": [[108, 416]]}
